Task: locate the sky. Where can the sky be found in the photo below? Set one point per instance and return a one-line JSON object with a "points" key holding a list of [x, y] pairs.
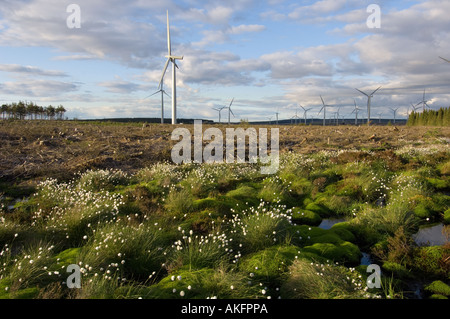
{"points": [[271, 56]]}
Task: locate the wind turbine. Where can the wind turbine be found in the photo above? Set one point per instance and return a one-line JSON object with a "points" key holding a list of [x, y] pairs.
{"points": [[220, 110], [295, 117], [355, 110], [369, 99], [395, 112], [171, 58], [379, 117], [162, 100], [230, 111], [423, 102], [414, 107], [324, 108], [337, 116], [304, 112], [276, 114]]}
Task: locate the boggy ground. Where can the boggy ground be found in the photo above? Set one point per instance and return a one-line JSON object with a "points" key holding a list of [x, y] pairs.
{"points": [[34, 150], [140, 226]]}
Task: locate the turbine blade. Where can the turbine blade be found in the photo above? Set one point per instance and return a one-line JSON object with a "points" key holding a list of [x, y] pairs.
{"points": [[231, 103], [445, 60], [375, 91], [164, 72], [322, 101], [168, 35], [362, 92]]}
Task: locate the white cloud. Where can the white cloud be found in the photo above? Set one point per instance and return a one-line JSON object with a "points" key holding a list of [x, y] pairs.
{"points": [[31, 70]]}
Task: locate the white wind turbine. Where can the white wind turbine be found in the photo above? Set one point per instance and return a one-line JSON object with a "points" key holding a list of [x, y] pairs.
{"points": [[394, 110], [423, 102], [295, 117], [414, 107], [220, 110], [355, 110], [369, 99], [171, 58], [305, 111], [324, 108], [230, 111], [162, 100]]}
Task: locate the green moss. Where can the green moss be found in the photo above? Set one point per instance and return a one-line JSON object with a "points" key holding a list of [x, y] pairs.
{"points": [[68, 256], [271, 263], [343, 230], [307, 217], [244, 193], [430, 261], [399, 271], [447, 217], [437, 296], [319, 209], [27, 293], [439, 183], [197, 284], [345, 252], [438, 287]]}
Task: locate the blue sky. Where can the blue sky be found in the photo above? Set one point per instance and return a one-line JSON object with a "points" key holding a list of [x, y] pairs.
{"points": [[269, 56]]}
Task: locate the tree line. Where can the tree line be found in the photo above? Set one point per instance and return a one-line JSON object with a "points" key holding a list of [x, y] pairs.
{"points": [[440, 117], [32, 111]]}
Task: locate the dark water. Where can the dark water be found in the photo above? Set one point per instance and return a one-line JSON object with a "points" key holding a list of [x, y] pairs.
{"points": [[431, 236], [327, 223]]}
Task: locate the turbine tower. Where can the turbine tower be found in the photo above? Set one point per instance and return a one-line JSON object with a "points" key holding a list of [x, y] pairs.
{"points": [[324, 108], [162, 100], [171, 58], [304, 112], [369, 99], [230, 111]]}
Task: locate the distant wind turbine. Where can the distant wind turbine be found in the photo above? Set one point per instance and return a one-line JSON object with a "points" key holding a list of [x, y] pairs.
{"points": [[304, 112], [162, 100], [230, 111], [324, 108], [414, 107], [355, 110], [423, 102], [295, 117], [171, 58], [220, 110], [369, 99], [276, 114], [379, 117], [395, 112]]}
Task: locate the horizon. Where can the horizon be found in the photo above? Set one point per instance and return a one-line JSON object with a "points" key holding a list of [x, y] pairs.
{"points": [[270, 56]]}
